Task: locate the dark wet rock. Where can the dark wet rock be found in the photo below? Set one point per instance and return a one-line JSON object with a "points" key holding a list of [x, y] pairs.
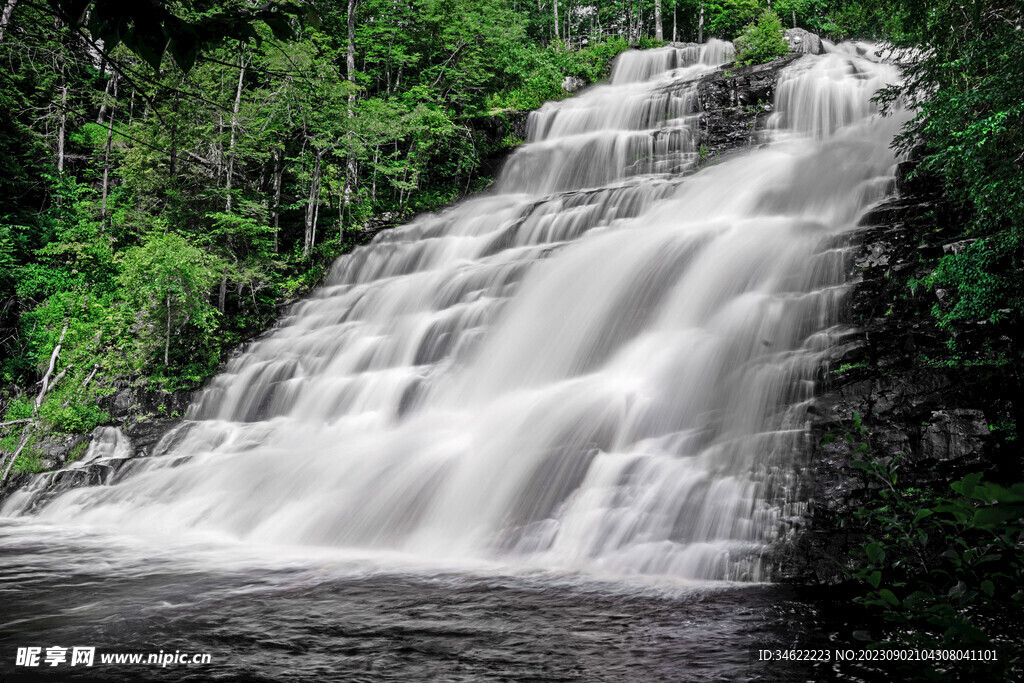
{"points": [[145, 435], [129, 403], [735, 86], [954, 436], [492, 136], [122, 403], [735, 103], [55, 449], [956, 247], [143, 416], [490, 131]]}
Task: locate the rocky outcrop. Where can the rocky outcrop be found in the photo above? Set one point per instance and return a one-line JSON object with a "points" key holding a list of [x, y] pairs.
{"points": [[494, 136], [735, 103], [141, 416], [891, 388], [127, 403]]}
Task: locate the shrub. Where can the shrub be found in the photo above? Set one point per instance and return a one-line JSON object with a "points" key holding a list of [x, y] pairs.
{"points": [[943, 570], [761, 41]]}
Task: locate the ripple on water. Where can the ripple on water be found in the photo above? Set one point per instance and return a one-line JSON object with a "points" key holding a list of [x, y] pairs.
{"points": [[328, 619]]}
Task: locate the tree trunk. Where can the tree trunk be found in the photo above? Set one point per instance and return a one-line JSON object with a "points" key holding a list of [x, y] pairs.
{"points": [[111, 84], [659, 34], [220, 146], [316, 221], [700, 24], [32, 423], [234, 127], [106, 153], [278, 173], [675, 24], [5, 20], [373, 186], [62, 127], [350, 165], [314, 191], [174, 136], [223, 294], [558, 35], [167, 339]]}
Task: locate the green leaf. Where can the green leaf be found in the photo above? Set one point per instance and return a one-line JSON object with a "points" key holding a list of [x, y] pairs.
{"points": [[875, 552], [922, 514], [889, 596]]}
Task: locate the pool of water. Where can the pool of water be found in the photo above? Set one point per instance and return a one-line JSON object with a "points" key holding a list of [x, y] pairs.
{"points": [[303, 616]]}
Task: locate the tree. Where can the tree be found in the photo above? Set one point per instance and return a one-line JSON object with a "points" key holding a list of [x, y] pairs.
{"points": [[762, 40], [727, 18], [168, 282]]}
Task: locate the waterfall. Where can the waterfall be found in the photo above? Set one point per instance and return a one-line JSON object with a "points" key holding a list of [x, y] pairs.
{"points": [[601, 365]]}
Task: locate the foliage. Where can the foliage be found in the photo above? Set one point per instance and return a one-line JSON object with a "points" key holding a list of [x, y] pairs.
{"points": [[761, 41], [167, 281], [538, 73], [984, 277], [841, 19], [183, 29], [941, 567], [969, 127], [726, 18]]}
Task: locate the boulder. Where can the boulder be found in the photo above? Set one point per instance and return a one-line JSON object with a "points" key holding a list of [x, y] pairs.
{"points": [[803, 42], [571, 84], [954, 436]]}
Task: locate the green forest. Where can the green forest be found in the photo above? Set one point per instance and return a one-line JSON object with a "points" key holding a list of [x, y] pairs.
{"points": [[174, 174]]}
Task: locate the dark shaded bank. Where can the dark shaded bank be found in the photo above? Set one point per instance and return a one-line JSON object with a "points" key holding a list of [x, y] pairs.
{"points": [[894, 389], [899, 397]]}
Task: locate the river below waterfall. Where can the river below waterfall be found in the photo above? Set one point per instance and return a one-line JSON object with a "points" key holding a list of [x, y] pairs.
{"points": [[330, 617], [548, 434]]}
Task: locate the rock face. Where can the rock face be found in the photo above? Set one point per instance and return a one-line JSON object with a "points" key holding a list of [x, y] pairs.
{"points": [[108, 453], [803, 42], [128, 403], [735, 103], [140, 416], [890, 376]]}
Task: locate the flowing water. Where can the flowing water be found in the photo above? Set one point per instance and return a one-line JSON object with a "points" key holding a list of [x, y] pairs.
{"points": [[586, 385]]}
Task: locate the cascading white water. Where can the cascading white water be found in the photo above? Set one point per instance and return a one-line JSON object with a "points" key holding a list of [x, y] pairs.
{"points": [[602, 365]]}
